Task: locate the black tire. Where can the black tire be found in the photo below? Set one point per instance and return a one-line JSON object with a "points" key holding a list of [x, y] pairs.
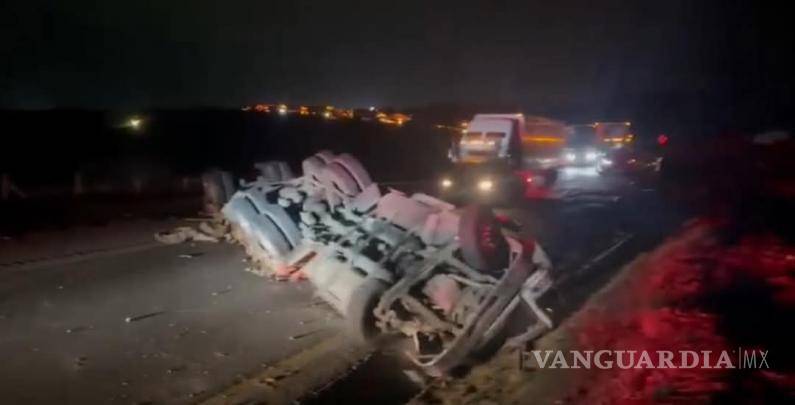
{"points": [[483, 245], [355, 169], [359, 316], [286, 225], [341, 179], [325, 156], [267, 225], [313, 166], [218, 188]]}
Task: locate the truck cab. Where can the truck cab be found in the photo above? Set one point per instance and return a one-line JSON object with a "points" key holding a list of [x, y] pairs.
{"points": [[502, 156], [490, 137]]}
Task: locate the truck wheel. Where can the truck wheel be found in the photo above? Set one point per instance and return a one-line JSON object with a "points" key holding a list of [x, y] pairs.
{"points": [[483, 245], [313, 165], [287, 226], [274, 171], [218, 188], [325, 156], [268, 225], [359, 315], [355, 169], [337, 178], [269, 237]]}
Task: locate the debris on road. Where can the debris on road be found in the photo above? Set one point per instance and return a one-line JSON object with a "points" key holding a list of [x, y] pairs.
{"points": [[306, 334], [189, 255], [216, 229], [80, 361], [212, 232], [176, 369], [78, 329], [144, 316], [224, 291]]}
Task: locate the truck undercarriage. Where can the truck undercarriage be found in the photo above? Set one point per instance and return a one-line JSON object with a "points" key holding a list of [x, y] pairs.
{"points": [[394, 264]]}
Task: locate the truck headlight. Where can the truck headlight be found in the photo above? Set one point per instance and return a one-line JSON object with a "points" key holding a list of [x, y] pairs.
{"points": [[591, 156], [446, 183], [485, 185]]}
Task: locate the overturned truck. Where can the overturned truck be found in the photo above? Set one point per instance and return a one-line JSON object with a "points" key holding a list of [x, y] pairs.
{"points": [[395, 264]]}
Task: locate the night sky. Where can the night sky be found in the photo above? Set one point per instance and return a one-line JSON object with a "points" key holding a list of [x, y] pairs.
{"points": [[163, 53]]}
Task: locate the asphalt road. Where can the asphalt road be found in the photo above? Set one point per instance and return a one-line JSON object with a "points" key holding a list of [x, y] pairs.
{"points": [[588, 214], [204, 323], [200, 323]]}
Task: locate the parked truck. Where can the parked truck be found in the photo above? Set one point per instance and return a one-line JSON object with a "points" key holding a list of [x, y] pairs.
{"points": [[504, 156]]}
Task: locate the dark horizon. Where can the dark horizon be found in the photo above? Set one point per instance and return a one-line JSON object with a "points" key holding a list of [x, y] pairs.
{"points": [[716, 59]]}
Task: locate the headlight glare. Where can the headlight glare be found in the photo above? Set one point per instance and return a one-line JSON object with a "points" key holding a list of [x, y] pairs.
{"points": [[485, 185]]}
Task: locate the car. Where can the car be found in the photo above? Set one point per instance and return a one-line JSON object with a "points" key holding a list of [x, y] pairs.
{"points": [[449, 280]]}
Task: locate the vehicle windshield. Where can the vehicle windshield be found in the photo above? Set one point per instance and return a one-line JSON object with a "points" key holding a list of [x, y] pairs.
{"points": [[495, 136], [614, 130], [581, 135], [472, 135]]}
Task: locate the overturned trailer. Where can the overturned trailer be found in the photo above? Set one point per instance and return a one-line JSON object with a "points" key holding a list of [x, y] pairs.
{"points": [[394, 264]]}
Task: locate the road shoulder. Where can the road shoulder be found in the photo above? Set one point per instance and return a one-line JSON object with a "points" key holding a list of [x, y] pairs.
{"points": [[297, 376]]}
